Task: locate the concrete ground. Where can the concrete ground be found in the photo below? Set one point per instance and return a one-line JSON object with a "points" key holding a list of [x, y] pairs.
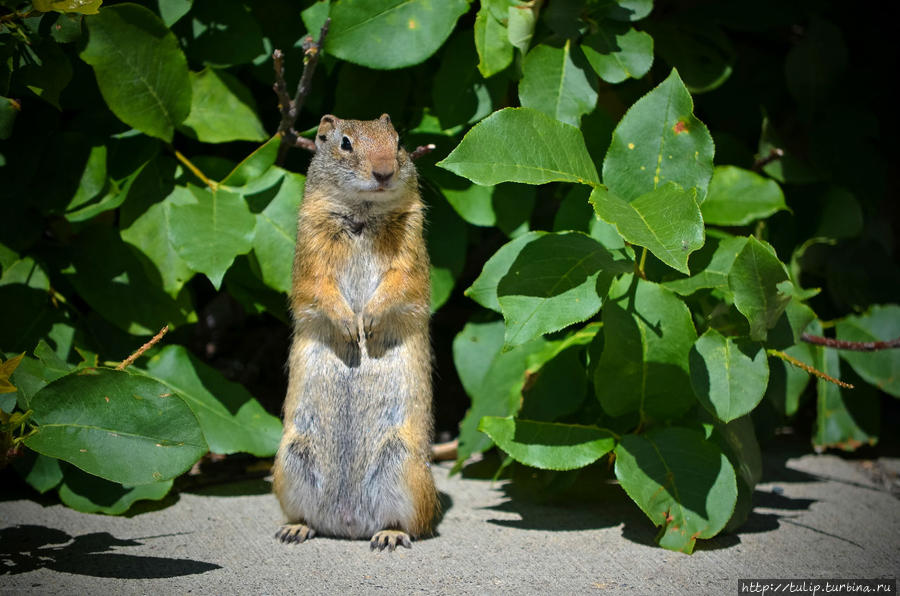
{"points": [[815, 516]]}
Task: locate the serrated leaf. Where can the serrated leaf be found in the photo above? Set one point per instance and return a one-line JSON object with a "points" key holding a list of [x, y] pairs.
{"points": [[231, 419], [879, 323], [124, 428], [495, 51], [558, 82], [522, 145], [211, 231], [222, 109], [91, 494], [554, 281], [729, 375], [753, 278], [618, 52], [492, 378], [666, 221], [682, 482], [140, 69], [548, 445], [659, 141], [392, 33], [648, 334], [715, 274], [484, 289], [737, 197]]}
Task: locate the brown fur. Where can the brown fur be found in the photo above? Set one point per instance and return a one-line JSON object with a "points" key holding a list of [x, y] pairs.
{"points": [[357, 415]]}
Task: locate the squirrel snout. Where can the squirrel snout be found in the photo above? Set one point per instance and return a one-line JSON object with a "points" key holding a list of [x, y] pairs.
{"points": [[382, 176]]}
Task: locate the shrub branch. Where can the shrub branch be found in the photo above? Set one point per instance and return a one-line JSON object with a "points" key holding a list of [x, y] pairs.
{"points": [[856, 346], [813, 371], [130, 360]]}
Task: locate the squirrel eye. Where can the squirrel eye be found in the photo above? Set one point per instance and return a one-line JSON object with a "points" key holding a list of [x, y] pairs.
{"points": [[345, 144]]}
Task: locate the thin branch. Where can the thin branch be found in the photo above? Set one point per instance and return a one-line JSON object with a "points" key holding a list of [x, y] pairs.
{"points": [[422, 150], [444, 451], [304, 143], [140, 351], [774, 155], [808, 368], [856, 346], [290, 108]]}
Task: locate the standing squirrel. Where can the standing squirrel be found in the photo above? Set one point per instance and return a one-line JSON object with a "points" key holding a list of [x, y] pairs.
{"points": [[354, 457]]}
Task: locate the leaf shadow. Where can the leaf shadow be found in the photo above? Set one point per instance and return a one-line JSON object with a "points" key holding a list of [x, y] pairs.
{"points": [[25, 548]]}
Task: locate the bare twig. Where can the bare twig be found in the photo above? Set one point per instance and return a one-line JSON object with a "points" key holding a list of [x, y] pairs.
{"points": [[304, 143], [774, 155], [444, 451], [856, 346], [422, 150], [290, 108], [130, 360], [808, 368]]}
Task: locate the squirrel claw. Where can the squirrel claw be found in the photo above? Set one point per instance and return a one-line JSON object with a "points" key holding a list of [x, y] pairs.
{"points": [[294, 533], [390, 539]]}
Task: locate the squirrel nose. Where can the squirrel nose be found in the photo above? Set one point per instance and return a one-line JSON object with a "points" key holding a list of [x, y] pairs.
{"points": [[383, 176]]}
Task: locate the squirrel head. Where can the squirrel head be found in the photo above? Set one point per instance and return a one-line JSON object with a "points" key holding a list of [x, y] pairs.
{"points": [[362, 158]]}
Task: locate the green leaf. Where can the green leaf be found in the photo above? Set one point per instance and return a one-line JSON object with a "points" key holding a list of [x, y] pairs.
{"points": [[682, 482], [753, 278], [737, 197], [554, 281], [647, 337], [47, 76], [211, 231], [624, 10], [659, 141], [846, 419], [90, 494], [149, 232], [559, 388], [275, 233], [492, 378], [841, 215], [521, 19], [231, 419], [548, 445], [140, 69], [484, 289], [495, 51], [122, 427], [225, 34], [40, 472], [737, 440], [881, 368], [9, 109], [729, 375], [33, 374], [222, 109], [116, 285], [522, 145], [666, 221], [715, 274], [171, 11], [445, 237], [814, 65], [700, 51], [618, 52], [78, 6], [460, 95], [254, 165], [390, 34], [558, 82]]}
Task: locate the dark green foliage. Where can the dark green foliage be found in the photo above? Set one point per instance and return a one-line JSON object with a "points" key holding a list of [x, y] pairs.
{"points": [[635, 211]]}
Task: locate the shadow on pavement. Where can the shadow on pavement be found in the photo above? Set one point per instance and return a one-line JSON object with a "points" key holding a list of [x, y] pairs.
{"points": [[26, 548]]}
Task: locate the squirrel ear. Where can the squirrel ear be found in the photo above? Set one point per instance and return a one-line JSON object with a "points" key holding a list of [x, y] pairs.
{"points": [[386, 118], [326, 124]]}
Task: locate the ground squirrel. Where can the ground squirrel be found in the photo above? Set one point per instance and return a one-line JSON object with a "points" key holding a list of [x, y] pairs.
{"points": [[354, 457]]}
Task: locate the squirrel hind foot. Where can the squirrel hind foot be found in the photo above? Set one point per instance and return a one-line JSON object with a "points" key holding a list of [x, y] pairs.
{"points": [[294, 533], [390, 539]]}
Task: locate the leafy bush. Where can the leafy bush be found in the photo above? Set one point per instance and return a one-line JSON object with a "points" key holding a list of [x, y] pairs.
{"points": [[640, 203]]}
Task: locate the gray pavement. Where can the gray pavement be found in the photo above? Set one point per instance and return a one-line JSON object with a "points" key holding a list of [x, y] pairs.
{"points": [[816, 516]]}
